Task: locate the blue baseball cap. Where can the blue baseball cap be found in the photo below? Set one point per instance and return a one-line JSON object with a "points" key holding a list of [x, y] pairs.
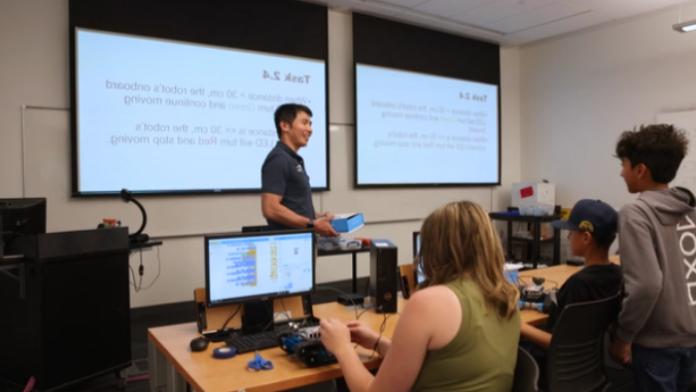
{"points": [[593, 216]]}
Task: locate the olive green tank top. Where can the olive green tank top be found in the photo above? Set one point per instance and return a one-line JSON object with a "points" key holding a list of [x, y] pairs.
{"points": [[483, 354]]}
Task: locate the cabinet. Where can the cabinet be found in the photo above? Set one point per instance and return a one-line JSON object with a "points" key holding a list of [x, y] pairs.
{"points": [[66, 312]]}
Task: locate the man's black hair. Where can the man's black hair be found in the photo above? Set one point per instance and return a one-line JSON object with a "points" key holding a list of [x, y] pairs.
{"points": [[287, 113]]}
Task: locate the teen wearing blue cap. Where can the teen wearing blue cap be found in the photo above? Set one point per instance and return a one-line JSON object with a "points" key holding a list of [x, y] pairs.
{"points": [[592, 229]]}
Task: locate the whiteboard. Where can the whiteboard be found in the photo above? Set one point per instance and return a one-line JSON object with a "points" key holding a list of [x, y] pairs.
{"points": [[686, 176]]}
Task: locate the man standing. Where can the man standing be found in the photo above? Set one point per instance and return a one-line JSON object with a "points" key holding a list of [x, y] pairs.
{"points": [[286, 196]]}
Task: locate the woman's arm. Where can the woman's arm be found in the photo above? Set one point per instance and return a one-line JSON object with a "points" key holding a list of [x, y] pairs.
{"points": [[413, 337], [535, 335]]}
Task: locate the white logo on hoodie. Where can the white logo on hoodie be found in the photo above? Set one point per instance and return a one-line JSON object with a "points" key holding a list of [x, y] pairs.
{"points": [[684, 242]]}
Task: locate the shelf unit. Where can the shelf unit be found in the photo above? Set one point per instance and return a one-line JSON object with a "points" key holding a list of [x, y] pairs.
{"points": [[536, 239]]}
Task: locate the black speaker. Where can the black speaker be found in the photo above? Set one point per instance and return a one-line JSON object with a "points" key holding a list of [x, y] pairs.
{"points": [[74, 322], [384, 280]]}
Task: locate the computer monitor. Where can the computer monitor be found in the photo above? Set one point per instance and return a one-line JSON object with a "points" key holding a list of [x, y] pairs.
{"points": [[247, 267], [418, 278], [22, 217], [510, 272]]}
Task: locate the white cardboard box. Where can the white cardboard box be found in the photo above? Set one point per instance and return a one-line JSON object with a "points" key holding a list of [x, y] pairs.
{"points": [[527, 193]]}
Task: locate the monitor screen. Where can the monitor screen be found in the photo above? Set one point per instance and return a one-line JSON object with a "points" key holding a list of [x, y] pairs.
{"points": [[180, 108], [22, 217], [258, 265], [416, 248], [424, 130], [510, 271]]}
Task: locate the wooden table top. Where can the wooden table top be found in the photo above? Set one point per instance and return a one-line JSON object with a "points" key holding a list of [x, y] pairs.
{"points": [[553, 275], [207, 374]]}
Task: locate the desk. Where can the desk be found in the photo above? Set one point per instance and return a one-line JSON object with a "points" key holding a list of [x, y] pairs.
{"points": [[172, 364]]}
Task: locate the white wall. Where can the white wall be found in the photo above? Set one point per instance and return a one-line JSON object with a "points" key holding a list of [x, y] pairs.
{"points": [[581, 91], [34, 71]]}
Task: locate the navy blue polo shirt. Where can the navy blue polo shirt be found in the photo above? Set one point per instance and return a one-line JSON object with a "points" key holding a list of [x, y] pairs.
{"points": [[283, 173]]}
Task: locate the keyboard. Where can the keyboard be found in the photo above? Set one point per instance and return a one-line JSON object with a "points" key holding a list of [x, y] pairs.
{"points": [[253, 342]]}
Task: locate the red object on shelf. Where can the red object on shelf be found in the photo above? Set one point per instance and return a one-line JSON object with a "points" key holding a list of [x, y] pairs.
{"points": [[527, 192]]}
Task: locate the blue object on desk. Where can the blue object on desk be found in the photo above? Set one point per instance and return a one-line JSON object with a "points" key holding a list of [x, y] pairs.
{"points": [[224, 352], [258, 363]]}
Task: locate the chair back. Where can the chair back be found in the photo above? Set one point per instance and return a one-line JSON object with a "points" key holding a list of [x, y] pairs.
{"points": [[526, 372], [576, 355]]}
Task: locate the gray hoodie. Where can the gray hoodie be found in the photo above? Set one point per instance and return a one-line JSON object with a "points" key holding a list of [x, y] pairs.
{"points": [[657, 239]]}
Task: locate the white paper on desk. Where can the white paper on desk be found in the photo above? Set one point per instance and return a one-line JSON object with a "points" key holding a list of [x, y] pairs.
{"points": [[513, 266]]}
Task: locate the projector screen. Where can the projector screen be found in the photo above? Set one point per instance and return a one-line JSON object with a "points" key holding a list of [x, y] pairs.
{"points": [[160, 116], [417, 129]]}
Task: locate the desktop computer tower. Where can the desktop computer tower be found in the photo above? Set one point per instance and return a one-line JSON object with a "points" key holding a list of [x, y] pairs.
{"points": [[383, 275]]}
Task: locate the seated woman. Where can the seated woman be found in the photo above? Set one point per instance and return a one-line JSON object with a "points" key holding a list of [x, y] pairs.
{"points": [[459, 331]]}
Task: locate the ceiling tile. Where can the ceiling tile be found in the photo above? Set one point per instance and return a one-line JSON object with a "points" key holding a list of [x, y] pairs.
{"points": [[562, 26], [403, 3], [448, 8], [623, 8], [450, 28], [499, 10], [424, 20], [590, 4], [626, 8], [446, 25], [536, 17]]}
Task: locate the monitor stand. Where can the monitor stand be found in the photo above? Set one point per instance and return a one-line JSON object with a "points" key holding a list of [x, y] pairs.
{"points": [[257, 317]]}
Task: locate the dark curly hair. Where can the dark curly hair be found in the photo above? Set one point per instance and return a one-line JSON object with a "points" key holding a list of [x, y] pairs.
{"points": [[660, 147]]}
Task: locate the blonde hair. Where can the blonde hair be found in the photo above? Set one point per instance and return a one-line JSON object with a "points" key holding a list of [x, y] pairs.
{"points": [[458, 240]]}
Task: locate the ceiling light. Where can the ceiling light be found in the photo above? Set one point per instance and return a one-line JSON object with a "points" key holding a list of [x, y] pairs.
{"points": [[685, 27]]}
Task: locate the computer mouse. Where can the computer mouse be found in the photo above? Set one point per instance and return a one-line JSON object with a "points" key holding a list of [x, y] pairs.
{"points": [[199, 344]]}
